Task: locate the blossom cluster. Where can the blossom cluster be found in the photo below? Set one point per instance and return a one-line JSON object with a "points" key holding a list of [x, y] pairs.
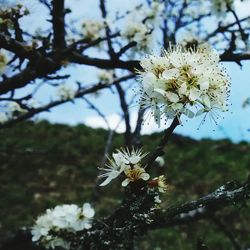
{"points": [[187, 81], [65, 92], [140, 23], [93, 29], [66, 218], [129, 164], [11, 111], [106, 76]]}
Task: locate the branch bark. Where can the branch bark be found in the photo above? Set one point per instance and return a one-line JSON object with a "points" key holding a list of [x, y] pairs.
{"points": [[57, 14]]}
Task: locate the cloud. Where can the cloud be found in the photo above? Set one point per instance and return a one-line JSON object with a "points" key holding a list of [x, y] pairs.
{"points": [[115, 122], [242, 8]]}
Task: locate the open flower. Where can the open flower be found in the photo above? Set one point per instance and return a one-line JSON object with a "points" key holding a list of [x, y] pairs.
{"points": [[106, 76], [93, 29], [186, 81], [127, 162], [65, 92], [69, 218]]}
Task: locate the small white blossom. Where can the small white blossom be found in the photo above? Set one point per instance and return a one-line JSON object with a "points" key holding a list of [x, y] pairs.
{"points": [[65, 92], [157, 199], [125, 162], [140, 23], [139, 33], [160, 160], [105, 76], [14, 109], [183, 81], [93, 29], [3, 117], [32, 103], [69, 218]]}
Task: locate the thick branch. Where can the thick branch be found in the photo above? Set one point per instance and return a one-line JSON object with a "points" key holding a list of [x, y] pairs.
{"points": [[20, 49], [217, 200], [58, 24]]}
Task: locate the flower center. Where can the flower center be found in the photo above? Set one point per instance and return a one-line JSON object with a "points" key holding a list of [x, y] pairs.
{"points": [[134, 174]]}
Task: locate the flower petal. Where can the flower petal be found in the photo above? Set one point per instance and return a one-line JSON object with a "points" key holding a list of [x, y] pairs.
{"points": [[125, 182], [145, 176]]}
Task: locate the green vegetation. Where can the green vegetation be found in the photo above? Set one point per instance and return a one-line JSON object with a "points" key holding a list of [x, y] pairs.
{"points": [[43, 165]]}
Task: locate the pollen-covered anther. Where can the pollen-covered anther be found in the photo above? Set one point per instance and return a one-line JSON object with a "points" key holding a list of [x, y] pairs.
{"points": [[133, 174]]}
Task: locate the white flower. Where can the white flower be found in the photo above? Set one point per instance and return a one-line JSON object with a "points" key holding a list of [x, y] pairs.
{"points": [[137, 32], [3, 118], [186, 81], [65, 92], [33, 103], [69, 218], [160, 160], [93, 29], [157, 199], [140, 23], [14, 107], [105, 76], [124, 161], [13, 110]]}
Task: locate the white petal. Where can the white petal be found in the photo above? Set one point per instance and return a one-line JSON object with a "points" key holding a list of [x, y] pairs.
{"points": [[183, 89], [194, 94], [106, 182], [149, 80], [170, 74], [172, 97], [206, 101], [125, 182], [188, 113], [88, 210], [134, 159], [200, 112], [145, 176], [204, 85]]}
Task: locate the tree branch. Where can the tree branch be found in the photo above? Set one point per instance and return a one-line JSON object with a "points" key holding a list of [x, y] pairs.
{"points": [[159, 149], [57, 14]]}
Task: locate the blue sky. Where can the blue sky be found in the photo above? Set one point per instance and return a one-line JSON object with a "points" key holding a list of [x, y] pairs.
{"points": [[234, 126]]}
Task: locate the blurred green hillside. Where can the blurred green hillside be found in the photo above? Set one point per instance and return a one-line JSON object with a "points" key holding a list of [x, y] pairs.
{"points": [[43, 165]]}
